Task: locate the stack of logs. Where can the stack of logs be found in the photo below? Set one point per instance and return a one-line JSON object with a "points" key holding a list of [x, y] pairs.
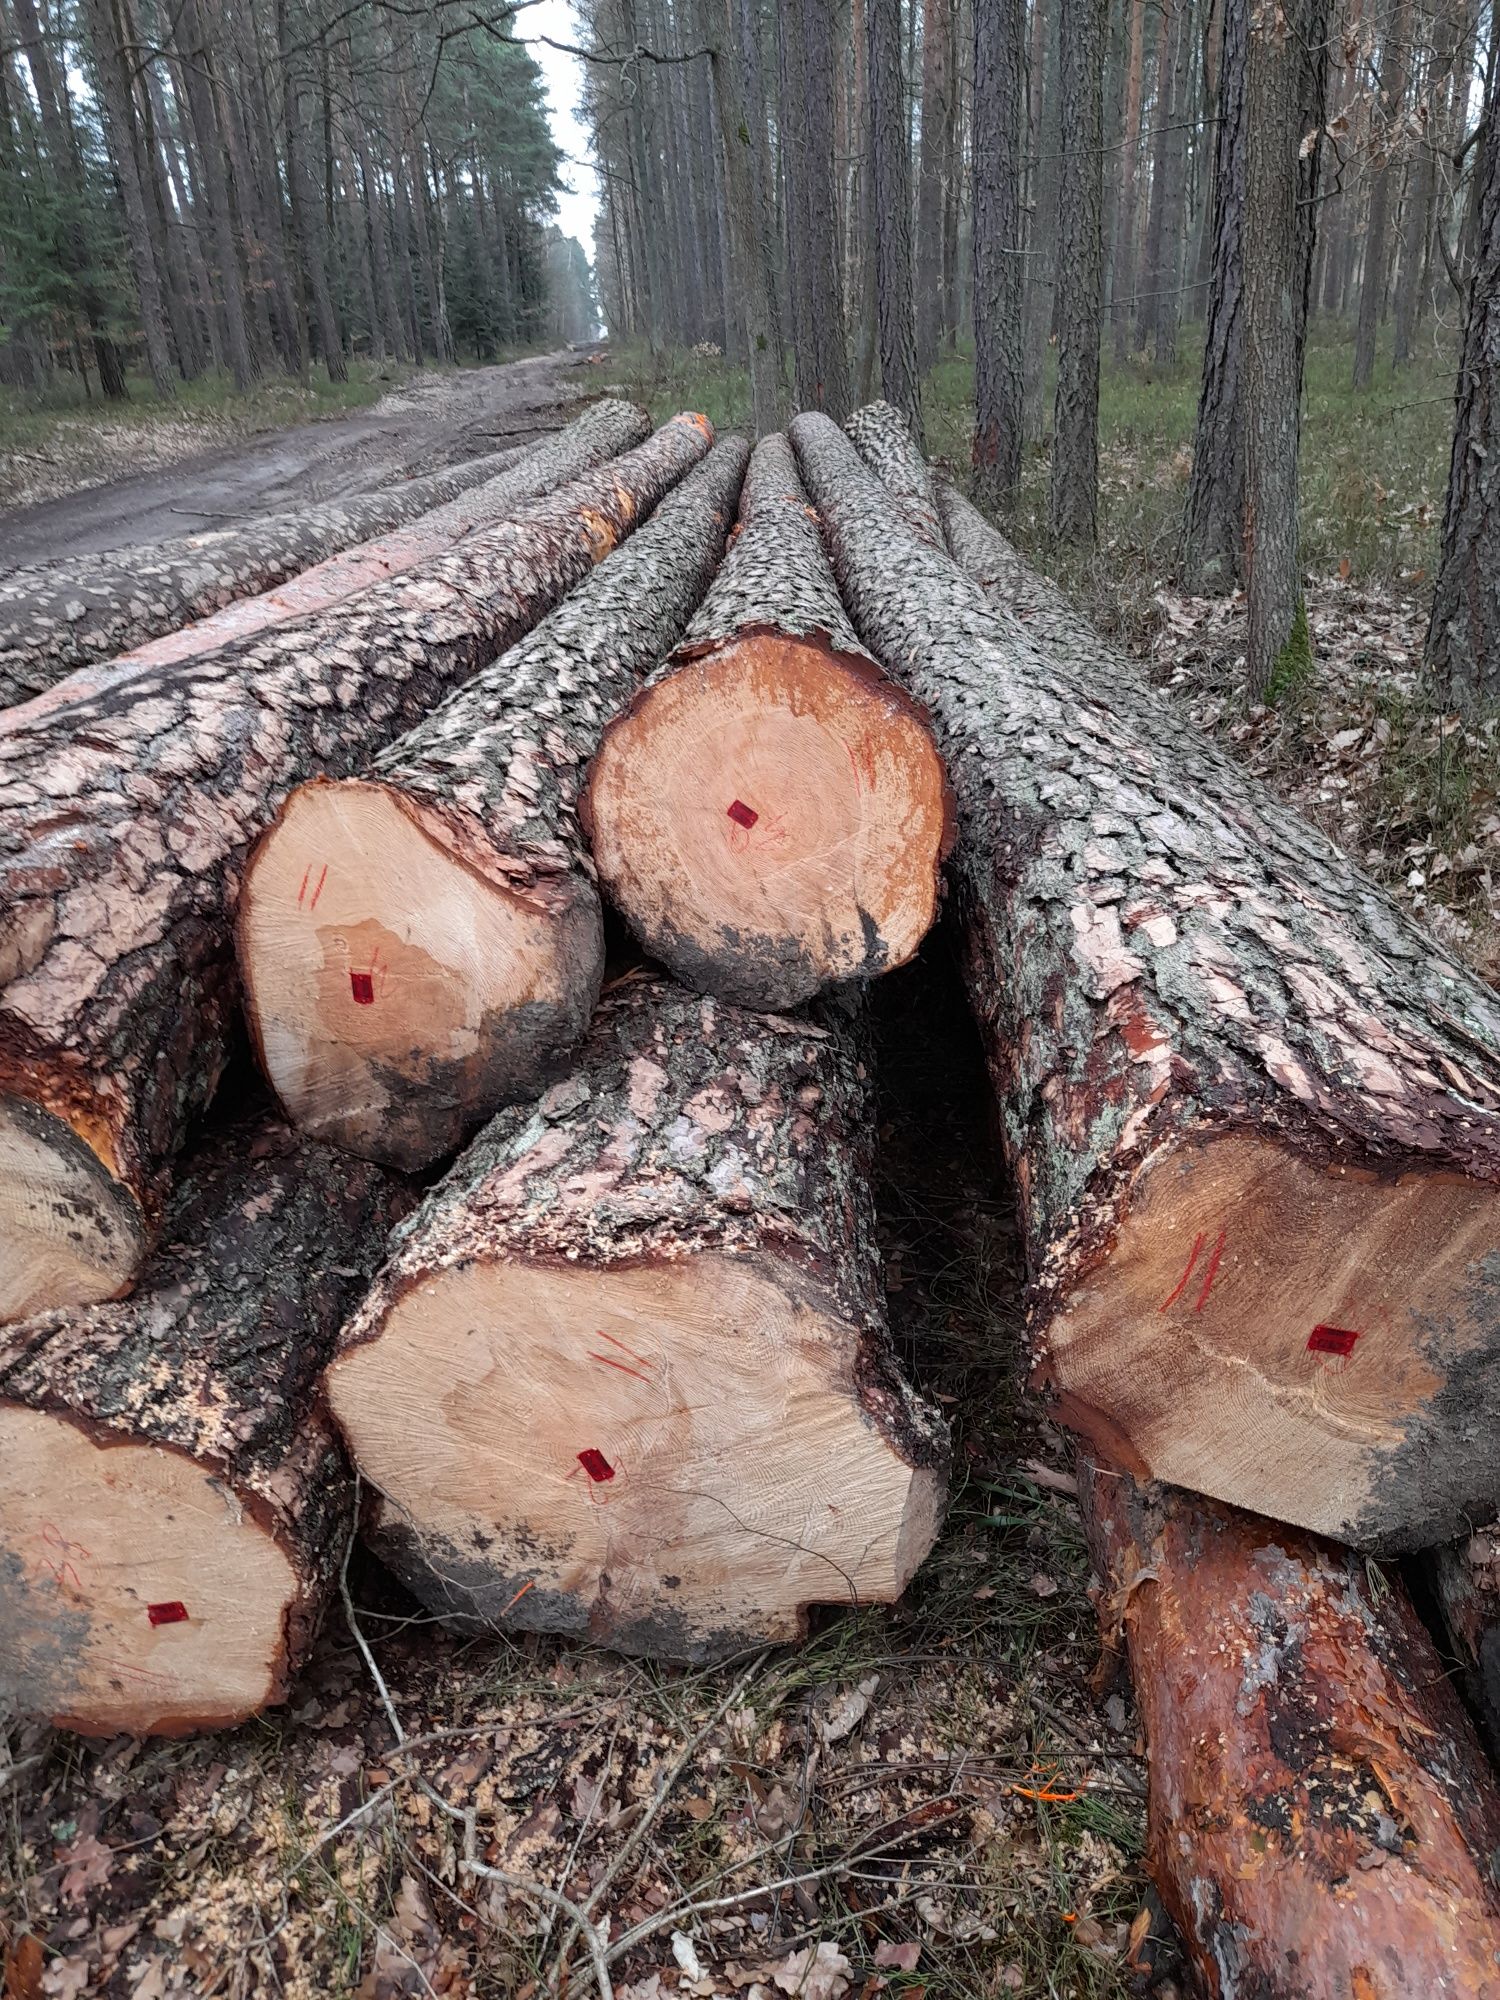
{"points": [[623, 1371]]}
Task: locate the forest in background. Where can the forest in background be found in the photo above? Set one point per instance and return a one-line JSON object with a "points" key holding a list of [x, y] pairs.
{"points": [[873, 186], [261, 187]]}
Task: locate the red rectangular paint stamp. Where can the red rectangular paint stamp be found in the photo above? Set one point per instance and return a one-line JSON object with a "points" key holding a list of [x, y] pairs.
{"points": [[167, 1614], [362, 988], [595, 1464], [743, 815], [1332, 1340]]}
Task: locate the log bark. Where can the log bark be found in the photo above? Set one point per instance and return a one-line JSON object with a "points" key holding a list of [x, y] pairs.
{"points": [[55, 617], [1321, 1817], [457, 948], [126, 818], [173, 1503], [769, 813], [1253, 1111], [673, 1420], [885, 441]]}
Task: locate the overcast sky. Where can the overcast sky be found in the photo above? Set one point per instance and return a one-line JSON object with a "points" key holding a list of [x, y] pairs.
{"points": [[576, 209]]}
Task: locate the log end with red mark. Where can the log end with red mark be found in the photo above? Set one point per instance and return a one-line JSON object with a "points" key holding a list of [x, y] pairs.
{"points": [[1332, 1340], [741, 814], [596, 1465], [169, 1613]]}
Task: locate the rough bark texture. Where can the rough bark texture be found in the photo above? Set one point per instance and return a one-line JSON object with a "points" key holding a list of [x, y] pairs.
{"points": [[1215, 1044], [1321, 1818], [769, 813], [211, 1370], [1463, 640], [890, 161], [1122, 281], [821, 353], [884, 440], [999, 269], [488, 787], [669, 1269], [932, 177], [57, 617], [128, 816], [1214, 533], [1465, 1583], [1386, 118], [1073, 495]]}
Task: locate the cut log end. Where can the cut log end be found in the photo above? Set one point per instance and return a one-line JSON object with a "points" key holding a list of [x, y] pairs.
{"points": [[1268, 1326], [392, 983], [771, 818], [70, 1234], [140, 1596], [665, 1458]]}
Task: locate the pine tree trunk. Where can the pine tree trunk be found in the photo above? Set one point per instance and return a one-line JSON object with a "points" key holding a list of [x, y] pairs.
{"points": [[57, 617], [821, 355], [1041, 238], [1271, 412], [1321, 1818], [1377, 228], [196, 75], [457, 947], [1252, 1110], [173, 1505], [689, 1323], [1125, 215], [1150, 296], [1073, 497], [999, 379], [891, 188], [769, 814], [113, 82], [1214, 533], [1463, 639], [108, 1051], [937, 58], [1171, 155]]}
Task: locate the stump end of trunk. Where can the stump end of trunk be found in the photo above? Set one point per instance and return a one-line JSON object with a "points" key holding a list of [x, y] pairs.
{"points": [[663, 1457], [136, 1593], [771, 819], [70, 1233], [400, 983], [1310, 1335]]}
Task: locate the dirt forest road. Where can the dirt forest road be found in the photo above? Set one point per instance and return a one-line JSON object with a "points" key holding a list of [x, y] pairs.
{"points": [[432, 421]]}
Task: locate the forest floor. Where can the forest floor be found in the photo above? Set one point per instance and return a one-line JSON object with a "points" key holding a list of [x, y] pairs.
{"points": [[88, 477]]}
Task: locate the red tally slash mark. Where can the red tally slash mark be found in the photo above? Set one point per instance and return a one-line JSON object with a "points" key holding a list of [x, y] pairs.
{"points": [[743, 815], [362, 988], [1332, 1340], [1210, 1272], [318, 890], [595, 1464], [167, 1614]]}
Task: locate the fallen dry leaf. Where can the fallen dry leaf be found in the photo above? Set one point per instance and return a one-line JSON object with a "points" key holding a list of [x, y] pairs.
{"points": [[88, 1864], [815, 1974], [903, 1957]]}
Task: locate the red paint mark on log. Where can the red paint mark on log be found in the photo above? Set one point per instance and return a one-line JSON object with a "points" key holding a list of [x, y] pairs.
{"points": [[362, 988], [1332, 1340], [595, 1464], [1211, 1273], [600, 1334], [172, 1613], [1181, 1286], [623, 1367], [303, 890], [743, 815], [319, 890]]}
